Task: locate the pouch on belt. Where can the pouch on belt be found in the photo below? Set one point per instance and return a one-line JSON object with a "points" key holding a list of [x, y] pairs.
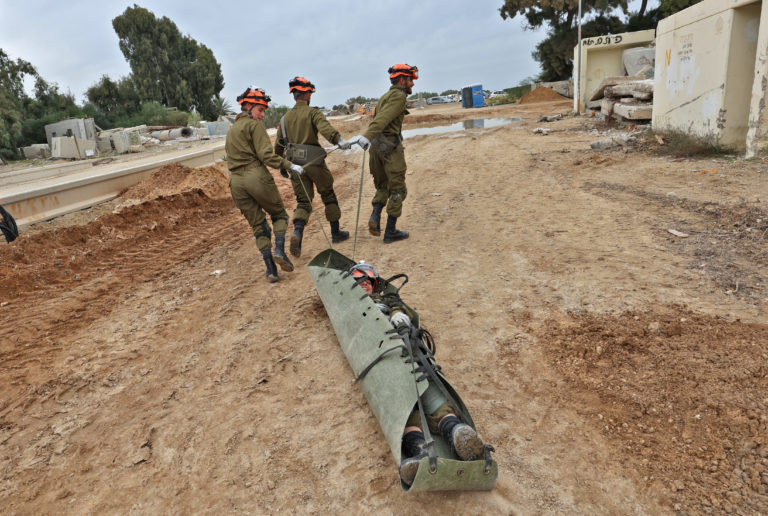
{"points": [[302, 154], [384, 145]]}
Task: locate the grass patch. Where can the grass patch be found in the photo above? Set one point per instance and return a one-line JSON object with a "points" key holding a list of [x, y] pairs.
{"points": [[685, 145]]}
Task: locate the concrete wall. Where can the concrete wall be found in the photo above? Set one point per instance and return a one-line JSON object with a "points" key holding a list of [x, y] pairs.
{"points": [[705, 67], [83, 128], [601, 57]]}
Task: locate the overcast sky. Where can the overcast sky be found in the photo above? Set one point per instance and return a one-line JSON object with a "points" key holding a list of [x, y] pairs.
{"points": [[344, 47]]}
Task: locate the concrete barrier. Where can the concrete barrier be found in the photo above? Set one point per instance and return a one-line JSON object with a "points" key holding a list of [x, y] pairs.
{"points": [[51, 196]]}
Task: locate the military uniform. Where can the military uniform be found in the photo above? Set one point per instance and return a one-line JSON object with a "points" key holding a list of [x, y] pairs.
{"points": [[388, 169], [301, 124], [249, 152]]}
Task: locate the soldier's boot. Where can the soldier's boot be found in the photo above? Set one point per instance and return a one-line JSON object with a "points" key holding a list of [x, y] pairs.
{"points": [[463, 438], [391, 233], [296, 237], [271, 267], [280, 257], [414, 449], [374, 223], [338, 235]]}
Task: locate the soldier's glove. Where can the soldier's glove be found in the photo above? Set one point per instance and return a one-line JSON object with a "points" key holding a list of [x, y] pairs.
{"points": [[344, 144], [363, 142], [284, 173], [384, 308], [400, 320], [296, 169]]}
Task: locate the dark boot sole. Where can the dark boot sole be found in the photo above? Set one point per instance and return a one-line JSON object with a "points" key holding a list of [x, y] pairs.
{"points": [[283, 263], [408, 469], [295, 247], [340, 237], [467, 444], [396, 238]]}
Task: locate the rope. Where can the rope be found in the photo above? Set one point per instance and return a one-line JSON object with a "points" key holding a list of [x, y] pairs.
{"points": [[301, 182], [359, 197]]}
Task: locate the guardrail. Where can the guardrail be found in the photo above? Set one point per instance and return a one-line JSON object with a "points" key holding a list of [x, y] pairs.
{"points": [[47, 197]]}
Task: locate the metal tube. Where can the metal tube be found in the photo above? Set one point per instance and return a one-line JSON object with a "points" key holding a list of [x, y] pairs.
{"points": [[578, 73]]}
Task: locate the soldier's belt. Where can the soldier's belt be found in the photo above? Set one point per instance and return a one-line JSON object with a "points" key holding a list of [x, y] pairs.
{"points": [[301, 154]]}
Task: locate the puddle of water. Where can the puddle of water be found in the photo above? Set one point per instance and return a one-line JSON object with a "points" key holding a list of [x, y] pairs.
{"points": [[478, 123]]}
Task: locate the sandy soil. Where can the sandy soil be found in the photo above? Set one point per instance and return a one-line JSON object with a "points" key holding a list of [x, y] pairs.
{"points": [[147, 366]]}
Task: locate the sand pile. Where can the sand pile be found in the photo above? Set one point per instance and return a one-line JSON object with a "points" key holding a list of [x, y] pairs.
{"points": [[540, 94], [174, 179]]}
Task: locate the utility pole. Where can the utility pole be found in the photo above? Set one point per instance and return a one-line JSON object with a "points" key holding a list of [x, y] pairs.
{"points": [[578, 69]]}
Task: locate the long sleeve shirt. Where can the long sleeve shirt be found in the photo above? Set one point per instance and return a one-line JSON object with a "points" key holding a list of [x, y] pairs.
{"points": [[390, 112], [248, 142]]}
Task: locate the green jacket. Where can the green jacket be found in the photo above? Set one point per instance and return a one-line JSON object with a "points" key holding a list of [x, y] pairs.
{"points": [[302, 123], [248, 143], [390, 112]]}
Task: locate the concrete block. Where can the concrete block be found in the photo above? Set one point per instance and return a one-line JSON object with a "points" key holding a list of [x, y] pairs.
{"points": [[642, 111], [637, 89], [36, 151], [606, 106], [121, 142], [104, 145], [83, 128], [608, 82], [72, 147], [636, 59]]}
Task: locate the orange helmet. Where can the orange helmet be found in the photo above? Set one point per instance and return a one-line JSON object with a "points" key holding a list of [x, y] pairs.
{"points": [[254, 95], [404, 70], [367, 271], [300, 84]]}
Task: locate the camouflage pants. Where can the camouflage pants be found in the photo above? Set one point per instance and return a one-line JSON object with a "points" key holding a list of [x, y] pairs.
{"points": [[254, 192], [433, 419], [389, 179], [315, 176]]}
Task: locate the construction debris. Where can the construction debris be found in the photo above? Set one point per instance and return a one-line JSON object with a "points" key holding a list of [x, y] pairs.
{"points": [[624, 98]]}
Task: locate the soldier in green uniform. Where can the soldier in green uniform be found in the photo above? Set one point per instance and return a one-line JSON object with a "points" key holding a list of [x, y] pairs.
{"points": [[249, 152], [440, 414], [387, 161], [297, 140]]}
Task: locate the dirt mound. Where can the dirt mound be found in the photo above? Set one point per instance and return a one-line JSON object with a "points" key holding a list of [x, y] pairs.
{"points": [[48, 260], [174, 179], [540, 94], [683, 394]]}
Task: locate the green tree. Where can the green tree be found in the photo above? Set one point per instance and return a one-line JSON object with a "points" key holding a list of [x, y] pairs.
{"points": [[450, 92], [361, 100], [48, 106], [110, 100], [12, 99], [221, 106], [273, 116], [166, 66]]}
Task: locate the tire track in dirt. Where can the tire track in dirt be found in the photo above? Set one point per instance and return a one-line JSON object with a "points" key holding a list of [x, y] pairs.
{"points": [[109, 256]]}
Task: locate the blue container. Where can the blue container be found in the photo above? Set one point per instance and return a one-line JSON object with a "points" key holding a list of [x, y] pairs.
{"points": [[472, 96]]}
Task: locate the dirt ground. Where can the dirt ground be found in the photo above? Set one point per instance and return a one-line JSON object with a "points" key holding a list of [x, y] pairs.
{"points": [[148, 367]]}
